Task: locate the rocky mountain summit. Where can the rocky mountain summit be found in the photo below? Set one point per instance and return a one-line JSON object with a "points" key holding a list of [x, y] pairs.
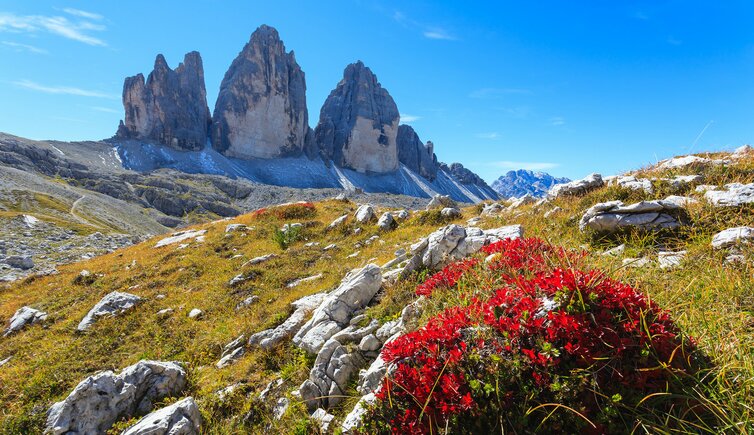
{"points": [[260, 129], [524, 182], [417, 156], [358, 123], [170, 108], [261, 108]]}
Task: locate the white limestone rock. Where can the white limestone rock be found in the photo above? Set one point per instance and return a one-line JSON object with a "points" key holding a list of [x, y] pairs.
{"points": [[195, 314], [259, 260], [552, 212], [365, 213], [450, 212], [102, 399], [636, 262], [338, 222], [180, 418], [112, 304], [608, 217], [386, 222], [235, 227], [577, 187], [323, 419], [24, 317], [670, 260], [735, 195], [334, 313], [631, 182], [300, 281], [269, 338], [732, 237], [441, 201], [180, 237], [681, 201]]}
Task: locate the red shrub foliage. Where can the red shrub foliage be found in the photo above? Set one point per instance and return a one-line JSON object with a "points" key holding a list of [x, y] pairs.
{"points": [[553, 349]]}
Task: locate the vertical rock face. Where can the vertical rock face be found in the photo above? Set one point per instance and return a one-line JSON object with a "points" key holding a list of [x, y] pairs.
{"points": [[358, 124], [170, 108], [414, 154], [261, 108]]}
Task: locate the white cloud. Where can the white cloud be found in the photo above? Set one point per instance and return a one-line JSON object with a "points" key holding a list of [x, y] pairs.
{"points": [[406, 118], [57, 25], [492, 136], [104, 109], [64, 90], [83, 14], [438, 33], [557, 121], [497, 92], [531, 166], [428, 31], [24, 47]]}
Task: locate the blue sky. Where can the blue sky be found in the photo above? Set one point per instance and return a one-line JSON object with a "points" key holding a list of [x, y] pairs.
{"points": [[551, 85]]}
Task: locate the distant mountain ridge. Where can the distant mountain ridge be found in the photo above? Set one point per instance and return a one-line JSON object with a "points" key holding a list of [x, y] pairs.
{"points": [[260, 130], [522, 182]]}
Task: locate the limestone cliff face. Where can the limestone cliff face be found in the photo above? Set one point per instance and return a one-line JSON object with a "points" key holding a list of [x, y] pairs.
{"points": [[261, 108], [417, 156], [358, 124], [170, 108]]}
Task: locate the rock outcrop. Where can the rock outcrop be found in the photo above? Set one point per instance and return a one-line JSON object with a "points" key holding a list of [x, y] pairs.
{"points": [[733, 237], [180, 418], [613, 216], [734, 195], [576, 187], [112, 304], [358, 124], [455, 242], [336, 311], [23, 317], [522, 182], [100, 400], [270, 337], [417, 156], [170, 108], [261, 108]]}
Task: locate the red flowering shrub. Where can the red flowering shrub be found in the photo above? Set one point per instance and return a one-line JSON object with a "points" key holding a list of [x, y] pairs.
{"points": [[448, 277], [259, 213], [301, 210], [552, 350]]}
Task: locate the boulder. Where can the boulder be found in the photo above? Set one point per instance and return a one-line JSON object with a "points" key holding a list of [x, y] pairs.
{"points": [[519, 202], [492, 209], [670, 260], [338, 222], [259, 260], [24, 317], [358, 124], [609, 217], [102, 399], [195, 314], [112, 304], [23, 262], [365, 213], [451, 212], [734, 195], [323, 419], [732, 237], [441, 201], [180, 418], [335, 312], [269, 338], [261, 107], [742, 151], [454, 242], [386, 222], [180, 237], [230, 228], [297, 282], [328, 379], [631, 182], [577, 187], [682, 162], [681, 201], [170, 108]]}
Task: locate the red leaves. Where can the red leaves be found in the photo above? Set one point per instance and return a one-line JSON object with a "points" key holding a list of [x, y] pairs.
{"points": [[448, 277], [549, 321]]}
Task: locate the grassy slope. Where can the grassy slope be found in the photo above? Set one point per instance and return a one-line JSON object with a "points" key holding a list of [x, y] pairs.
{"points": [[711, 301]]}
